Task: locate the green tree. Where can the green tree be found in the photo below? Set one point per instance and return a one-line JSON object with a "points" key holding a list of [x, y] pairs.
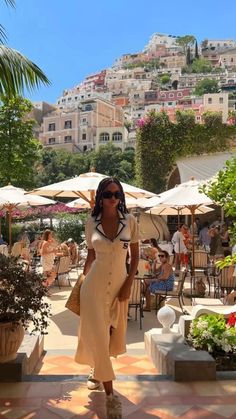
{"points": [[222, 190], [201, 65], [160, 142], [155, 151], [196, 54], [185, 42], [58, 165], [17, 72], [188, 57], [19, 150], [206, 86], [165, 79], [111, 161]]}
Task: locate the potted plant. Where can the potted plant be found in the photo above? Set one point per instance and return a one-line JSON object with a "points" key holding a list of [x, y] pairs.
{"points": [[217, 335], [22, 306]]}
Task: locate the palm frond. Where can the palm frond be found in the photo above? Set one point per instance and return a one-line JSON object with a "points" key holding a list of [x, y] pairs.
{"points": [[18, 73], [3, 36], [11, 3]]}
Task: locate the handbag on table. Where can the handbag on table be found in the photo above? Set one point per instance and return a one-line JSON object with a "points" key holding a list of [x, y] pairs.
{"points": [[73, 302]]}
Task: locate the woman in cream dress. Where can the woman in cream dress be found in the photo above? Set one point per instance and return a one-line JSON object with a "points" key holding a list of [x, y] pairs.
{"points": [[105, 292], [48, 251]]}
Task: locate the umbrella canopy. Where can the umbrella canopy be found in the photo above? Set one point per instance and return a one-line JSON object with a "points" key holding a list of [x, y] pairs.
{"points": [[186, 195], [12, 197], [84, 186], [166, 210], [130, 203]]}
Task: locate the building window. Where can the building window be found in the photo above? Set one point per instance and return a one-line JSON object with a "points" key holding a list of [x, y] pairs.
{"points": [[68, 139], [51, 140], [209, 100], [171, 95], [179, 94], [85, 148], [221, 100], [117, 137], [104, 137], [68, 124], [136, 96], [88, 107], [84, 136], [51, 127]]}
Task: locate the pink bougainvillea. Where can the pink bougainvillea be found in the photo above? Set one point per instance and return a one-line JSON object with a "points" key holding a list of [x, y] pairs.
{"points": [[41, 211]]}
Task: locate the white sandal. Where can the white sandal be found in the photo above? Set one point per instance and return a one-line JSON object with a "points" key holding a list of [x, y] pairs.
{"points": [[113, 407], [92, 384]]}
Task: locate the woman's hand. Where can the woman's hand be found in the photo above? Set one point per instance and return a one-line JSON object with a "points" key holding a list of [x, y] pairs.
{"points": [[125, 291]]}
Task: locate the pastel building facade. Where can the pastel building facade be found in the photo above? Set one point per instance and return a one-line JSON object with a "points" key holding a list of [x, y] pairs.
{"points": [[78, 130]]}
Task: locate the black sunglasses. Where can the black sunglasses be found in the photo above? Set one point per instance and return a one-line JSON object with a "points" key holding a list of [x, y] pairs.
{"points": [[110, 194], [162, 256]]}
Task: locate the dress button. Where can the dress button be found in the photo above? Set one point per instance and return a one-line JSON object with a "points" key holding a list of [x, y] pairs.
{"points": [[109, 283]]}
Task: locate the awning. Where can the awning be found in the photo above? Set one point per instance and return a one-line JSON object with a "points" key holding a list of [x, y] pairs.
{"points": [[204, 166]]}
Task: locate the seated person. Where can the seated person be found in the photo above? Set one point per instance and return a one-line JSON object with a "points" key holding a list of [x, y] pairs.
{"points": [[73, 249], [164, 279], [63, 250]]}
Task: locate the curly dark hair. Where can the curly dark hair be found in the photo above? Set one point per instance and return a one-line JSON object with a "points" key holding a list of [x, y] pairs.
{"points": [[101, 188]]}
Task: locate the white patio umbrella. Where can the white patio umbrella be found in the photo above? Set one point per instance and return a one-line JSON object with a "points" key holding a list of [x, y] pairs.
{"points": [[12, 198], [84, 186], [130, 203], [186, 195], [166, 210]]}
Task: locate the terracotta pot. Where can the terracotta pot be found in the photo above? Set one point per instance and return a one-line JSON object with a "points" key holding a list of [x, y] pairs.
{"points": [[11, 336]]}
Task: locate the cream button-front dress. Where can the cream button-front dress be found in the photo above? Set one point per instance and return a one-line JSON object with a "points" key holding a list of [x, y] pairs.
{"points": [[100, 308]]}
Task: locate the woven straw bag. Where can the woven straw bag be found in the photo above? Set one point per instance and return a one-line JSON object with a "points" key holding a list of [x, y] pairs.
{"points": [[73, 302]]}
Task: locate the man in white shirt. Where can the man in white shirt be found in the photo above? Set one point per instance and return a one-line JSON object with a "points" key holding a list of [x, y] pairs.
{"points": [[179, 247]]}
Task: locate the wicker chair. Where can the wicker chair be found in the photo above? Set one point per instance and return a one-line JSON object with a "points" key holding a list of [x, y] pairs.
{"points": [[63, 267], [226, 281]]}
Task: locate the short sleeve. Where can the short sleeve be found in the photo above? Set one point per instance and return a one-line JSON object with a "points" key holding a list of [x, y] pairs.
{"points": [[88, 233], [134, 229]]}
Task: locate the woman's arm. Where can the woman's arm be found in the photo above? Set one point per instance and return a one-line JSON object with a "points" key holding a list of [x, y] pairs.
{"points": [[124, 293], [89, 260], [167, 271]]}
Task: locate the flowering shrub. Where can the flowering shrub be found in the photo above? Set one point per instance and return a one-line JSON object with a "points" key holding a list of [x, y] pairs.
{"points": [[213, 333]]}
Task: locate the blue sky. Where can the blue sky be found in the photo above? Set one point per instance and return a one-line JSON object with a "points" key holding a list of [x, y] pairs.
{"points": [[70, 39]]}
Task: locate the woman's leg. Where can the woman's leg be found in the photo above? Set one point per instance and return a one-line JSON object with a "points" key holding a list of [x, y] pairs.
{"points": [[108, 387]]}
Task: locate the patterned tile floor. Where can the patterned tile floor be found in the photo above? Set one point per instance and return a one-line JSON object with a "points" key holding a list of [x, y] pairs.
{"points": [[58, 388], [140, 400], [123, 365]]}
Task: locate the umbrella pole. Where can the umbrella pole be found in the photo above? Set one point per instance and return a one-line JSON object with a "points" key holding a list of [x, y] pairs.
{"points": [[192, 209], [9, 228], [92, 198]]}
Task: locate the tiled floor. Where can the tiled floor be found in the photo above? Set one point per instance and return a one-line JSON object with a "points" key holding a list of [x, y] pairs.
{"points": [[140, 400], [58, 388], [123, 365]]}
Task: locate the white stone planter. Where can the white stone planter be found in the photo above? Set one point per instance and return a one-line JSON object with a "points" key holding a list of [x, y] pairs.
{"points": [[11, 336]]}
